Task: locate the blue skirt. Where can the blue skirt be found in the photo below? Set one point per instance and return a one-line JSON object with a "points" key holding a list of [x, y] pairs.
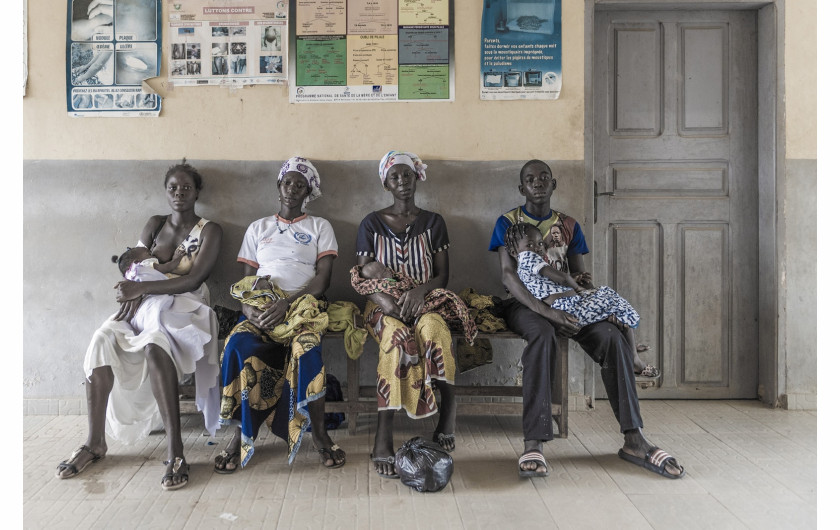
{"points": [[268, 382]]}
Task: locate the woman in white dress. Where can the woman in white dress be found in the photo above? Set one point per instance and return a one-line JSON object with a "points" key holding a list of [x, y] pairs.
{"points": [[140, 368]]}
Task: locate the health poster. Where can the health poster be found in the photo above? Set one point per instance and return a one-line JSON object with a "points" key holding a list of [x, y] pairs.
{"points": [[112, 47], [371, 50], [520, 48], [227, 42]]}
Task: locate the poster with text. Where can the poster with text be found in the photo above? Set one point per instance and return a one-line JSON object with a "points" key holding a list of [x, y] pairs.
{"points": [[520, 50], [350, 51], [227, 42], [112, 46]]}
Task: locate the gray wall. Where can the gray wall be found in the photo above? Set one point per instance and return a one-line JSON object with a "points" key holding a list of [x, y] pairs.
{"points": [[77, 214]]}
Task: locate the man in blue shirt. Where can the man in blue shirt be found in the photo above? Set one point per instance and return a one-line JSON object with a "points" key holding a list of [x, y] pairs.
{"points": [[538, 323]]}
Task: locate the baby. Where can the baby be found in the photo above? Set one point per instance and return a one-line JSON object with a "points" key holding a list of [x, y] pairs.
{"points": [[139, 265], [559, 290], [376, 271], [375, 277], [138, 262]]}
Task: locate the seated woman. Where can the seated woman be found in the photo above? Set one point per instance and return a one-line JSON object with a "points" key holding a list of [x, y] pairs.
{"points": [[414, 242], [132, 374], [280, 383]]}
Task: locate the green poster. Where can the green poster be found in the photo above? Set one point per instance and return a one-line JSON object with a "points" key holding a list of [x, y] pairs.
{"points": [[321, 61], [429, 81]]}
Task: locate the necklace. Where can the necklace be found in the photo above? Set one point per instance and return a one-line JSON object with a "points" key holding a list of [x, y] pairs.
{"points": [[282, 230]]}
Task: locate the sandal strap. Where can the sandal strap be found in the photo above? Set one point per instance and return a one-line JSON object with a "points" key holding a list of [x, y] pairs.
{"points": [[532, 456], [658, 457]]}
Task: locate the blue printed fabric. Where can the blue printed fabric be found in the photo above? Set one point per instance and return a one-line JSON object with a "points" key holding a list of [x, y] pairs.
{"points": [[589, 307]]}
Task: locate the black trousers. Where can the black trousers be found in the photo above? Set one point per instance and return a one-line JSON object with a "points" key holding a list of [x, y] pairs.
{"points": [[602, 341]]}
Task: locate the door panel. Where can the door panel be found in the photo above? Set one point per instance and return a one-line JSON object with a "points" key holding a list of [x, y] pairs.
{"points": [[675, 155]]}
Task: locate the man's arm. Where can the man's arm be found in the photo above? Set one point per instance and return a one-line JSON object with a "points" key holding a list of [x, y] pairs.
{"points": [[565, 324]]}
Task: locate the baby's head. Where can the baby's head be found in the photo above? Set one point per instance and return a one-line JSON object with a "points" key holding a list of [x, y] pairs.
{"points": [[376, 271], [520, 237], [132, 255]]}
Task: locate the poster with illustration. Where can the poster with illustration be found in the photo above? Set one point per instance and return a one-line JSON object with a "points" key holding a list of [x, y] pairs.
{"points": [[520, 50], [350, 51], [112, 46], [227, 42]]}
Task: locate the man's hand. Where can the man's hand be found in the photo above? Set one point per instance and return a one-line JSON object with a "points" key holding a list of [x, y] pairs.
{"points": [[565, 324]]}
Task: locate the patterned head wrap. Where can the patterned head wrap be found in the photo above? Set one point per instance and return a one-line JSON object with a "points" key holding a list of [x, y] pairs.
{"points": [[393, 158], [305, 168]]}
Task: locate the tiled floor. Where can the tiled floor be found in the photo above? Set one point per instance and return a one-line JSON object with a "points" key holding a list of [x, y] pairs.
{"points": [[748, 466]]}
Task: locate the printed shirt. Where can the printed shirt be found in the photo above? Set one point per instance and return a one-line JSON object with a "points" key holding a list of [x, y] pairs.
{"points": [[411, 252], [288, 257], [562, 234]]}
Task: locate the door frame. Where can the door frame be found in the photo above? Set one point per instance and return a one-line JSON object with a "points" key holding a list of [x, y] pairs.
{"points": [[770, 18]]}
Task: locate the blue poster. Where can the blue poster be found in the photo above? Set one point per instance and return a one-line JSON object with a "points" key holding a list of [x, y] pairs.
{"points": [[520, 50], [112, 47]]}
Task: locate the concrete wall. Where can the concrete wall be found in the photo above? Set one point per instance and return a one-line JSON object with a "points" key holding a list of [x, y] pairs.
{"points": [[90, 184]]}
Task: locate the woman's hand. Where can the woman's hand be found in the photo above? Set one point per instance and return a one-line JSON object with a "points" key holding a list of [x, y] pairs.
{"points": [[127, 290], [271, 315], [128, 309], [389, 306], [411, 303]]}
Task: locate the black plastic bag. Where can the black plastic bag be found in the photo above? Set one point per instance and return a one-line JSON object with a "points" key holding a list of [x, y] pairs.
{"points": [[423, 465]]}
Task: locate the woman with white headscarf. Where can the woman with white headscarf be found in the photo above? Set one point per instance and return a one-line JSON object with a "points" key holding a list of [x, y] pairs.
{"points": [[415, 348], [280, 383]]}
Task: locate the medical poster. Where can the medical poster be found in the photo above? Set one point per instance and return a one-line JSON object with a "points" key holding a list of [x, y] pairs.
{"points": [[112, 46], [371, 50], [520, 50], [227, 42]]}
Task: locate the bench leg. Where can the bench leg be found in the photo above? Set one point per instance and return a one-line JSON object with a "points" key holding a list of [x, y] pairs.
{"points": [[352, 392], [560, 386]]}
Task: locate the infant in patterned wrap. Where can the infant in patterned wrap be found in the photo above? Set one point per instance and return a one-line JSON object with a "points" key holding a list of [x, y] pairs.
{"points": [[376, 277], [560, 291]]}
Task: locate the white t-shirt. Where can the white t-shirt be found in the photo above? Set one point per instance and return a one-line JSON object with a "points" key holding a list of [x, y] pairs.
{"points": [[288, 257]]}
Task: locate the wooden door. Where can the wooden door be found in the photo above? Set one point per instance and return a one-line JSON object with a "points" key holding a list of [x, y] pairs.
{"points": [[675, 168]]}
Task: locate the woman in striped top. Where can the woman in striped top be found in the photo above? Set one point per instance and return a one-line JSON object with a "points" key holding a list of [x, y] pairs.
{"points": [[415, 354]]}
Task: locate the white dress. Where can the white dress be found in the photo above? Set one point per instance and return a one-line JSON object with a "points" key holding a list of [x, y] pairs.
{"points": [[184, 326]]}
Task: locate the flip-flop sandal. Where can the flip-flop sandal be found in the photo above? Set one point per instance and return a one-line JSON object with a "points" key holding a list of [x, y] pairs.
{"points": [[65, 464], [532, 456], [335, 453], [440, 437], [179, 469], [384, 460], [655, 460], [649, 371], [223, 459]]}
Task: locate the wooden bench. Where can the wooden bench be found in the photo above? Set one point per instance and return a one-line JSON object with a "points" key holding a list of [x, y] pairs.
{"points": [[360, 399]]}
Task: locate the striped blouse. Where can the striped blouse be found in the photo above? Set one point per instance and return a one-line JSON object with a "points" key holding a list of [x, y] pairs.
{"points": [[409, 252]]}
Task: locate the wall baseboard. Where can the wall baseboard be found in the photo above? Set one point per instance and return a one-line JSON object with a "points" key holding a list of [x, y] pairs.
{"points": [[798, 401]]}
